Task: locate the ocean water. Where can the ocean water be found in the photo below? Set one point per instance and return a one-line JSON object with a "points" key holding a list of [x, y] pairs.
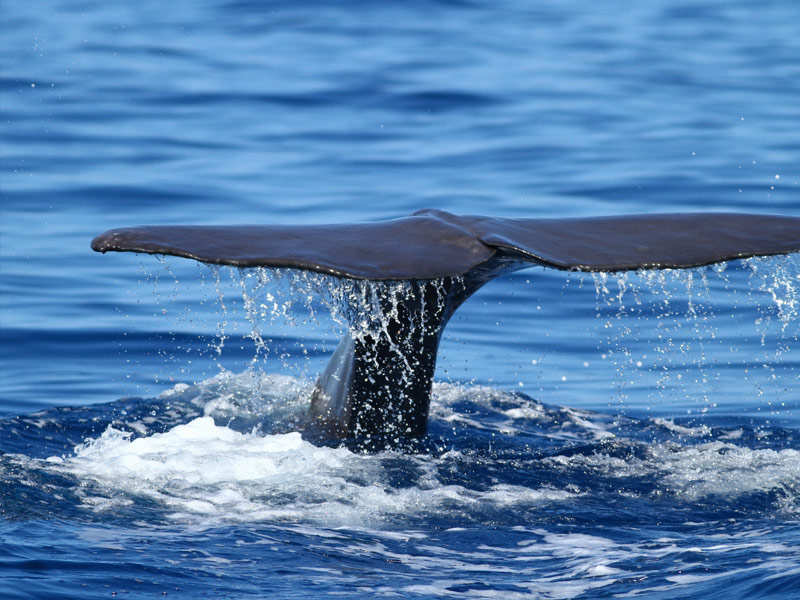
{"points": [[633, 435]]}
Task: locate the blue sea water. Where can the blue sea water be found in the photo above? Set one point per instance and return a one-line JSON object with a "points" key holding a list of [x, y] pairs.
{"points": [[621, 436]]}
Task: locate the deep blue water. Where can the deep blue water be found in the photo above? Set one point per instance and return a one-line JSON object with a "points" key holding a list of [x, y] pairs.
{"points": [[635, 435]]}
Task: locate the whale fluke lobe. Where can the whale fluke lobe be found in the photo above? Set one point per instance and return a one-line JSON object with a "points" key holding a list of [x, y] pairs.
{"points": [[416, 247], [376, 388]]}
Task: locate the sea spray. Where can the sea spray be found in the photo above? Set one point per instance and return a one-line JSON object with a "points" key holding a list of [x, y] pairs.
{"points": [[697, 320], [674, 336]]}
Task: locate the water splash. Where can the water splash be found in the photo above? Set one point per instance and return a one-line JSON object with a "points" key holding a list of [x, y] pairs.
{"points": [[206, 472], [680, 337], [698, 319], [780, 278]]}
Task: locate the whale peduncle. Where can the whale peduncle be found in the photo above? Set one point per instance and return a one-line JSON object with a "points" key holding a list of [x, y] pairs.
{"points": [[376, 389]]}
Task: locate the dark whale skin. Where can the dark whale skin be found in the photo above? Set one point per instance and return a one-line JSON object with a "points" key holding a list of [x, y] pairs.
{"points": [[432, 244]]}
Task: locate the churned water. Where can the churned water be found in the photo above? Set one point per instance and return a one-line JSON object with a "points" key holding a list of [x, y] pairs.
{"points": [[607, 436]]}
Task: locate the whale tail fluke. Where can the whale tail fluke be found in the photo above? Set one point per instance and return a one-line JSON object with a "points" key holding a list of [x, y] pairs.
{"points": [[376, 388], [432, 243]]}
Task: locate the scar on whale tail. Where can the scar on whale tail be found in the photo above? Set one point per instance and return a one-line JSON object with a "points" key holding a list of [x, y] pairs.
{"points": [[376, 388]]}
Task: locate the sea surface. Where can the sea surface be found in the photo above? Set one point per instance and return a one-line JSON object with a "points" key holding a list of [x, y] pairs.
{"points": [[634, 435]]}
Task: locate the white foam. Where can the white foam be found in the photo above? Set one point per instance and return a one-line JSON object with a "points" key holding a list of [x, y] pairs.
{"points": [[510, 413], [703, 470], [718, 468], [250, 394], [670, 424], [203, 470]]}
